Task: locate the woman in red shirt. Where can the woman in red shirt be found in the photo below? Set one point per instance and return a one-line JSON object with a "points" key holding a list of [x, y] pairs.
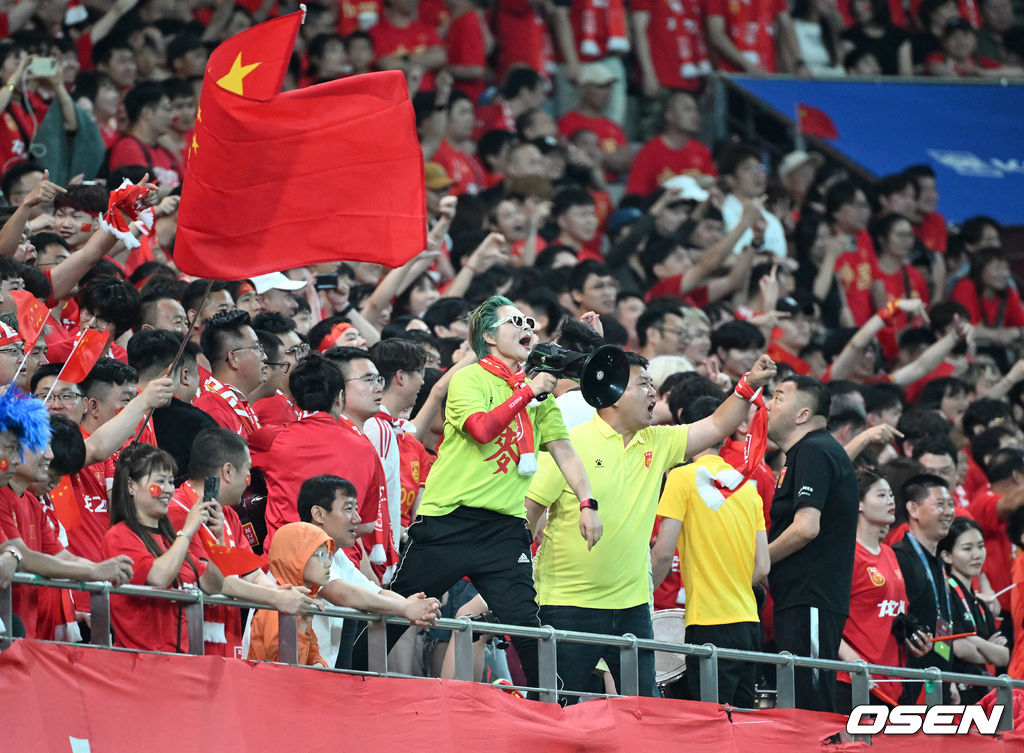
{"points": [[161, 557], [993, 303], [878, 595]]}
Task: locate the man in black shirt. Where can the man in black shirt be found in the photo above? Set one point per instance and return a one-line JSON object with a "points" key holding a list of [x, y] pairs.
{"points": [[930, 511], [151, 352], [812, 537]]}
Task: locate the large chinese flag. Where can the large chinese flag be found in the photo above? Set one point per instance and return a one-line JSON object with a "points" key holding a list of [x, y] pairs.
{"points": [[276, 180]]}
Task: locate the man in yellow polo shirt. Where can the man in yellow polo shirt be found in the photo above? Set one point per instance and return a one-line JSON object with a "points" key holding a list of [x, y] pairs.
{"points": [[723, 550], [607, 589]]}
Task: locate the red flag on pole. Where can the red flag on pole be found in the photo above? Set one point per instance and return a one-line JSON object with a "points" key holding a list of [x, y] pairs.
{"points": [[90, 345], [815, 122], [32, 315], [284, 179], [65, 505]]}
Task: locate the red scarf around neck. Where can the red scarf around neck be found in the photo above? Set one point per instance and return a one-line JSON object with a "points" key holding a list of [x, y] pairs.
{"points": [[527, 465]]}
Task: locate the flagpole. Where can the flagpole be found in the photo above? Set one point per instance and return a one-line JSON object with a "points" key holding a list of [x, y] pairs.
{"points": [[73, 349], [177, 358], [798, 138]]}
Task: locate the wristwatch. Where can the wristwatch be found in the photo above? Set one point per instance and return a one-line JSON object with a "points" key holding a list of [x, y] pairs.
{"points": [[16, 553], [589, 503]]}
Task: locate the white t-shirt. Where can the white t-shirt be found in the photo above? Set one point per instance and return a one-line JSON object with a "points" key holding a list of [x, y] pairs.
{"points": [[774, 235], [328, 629]]}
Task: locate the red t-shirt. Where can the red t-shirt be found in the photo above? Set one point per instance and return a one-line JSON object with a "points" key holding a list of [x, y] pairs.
{"points": [[932, 232], [182, 501], [522, 37], [464, 43], [148, 624], [944, 369], [18, 129], [311, 446], [669, 288], [975, 480], [415, 465], [389, 39], [666, 596], [90, 486], [878, 594], [494, 117], [907, 282], [675, 34], [349, 15], [23, 518], [779, 354], [992, 312], [997, 545], [751, 27], [855, 271], [276, 410], [227, 416], [656, 162], [610, 135], [131, 151], [462, 168]]}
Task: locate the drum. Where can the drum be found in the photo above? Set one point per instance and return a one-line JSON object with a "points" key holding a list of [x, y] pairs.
{"points": [[670, 626]]}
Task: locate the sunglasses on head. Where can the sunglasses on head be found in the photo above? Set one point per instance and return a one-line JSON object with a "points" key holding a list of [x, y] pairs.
{"points": [[518, 320]]}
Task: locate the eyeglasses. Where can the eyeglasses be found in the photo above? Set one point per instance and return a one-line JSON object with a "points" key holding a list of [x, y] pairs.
{"points": [[370, 379], [283, 366], [68, 398], [672, 330], [257, 347], [518, 320], [16, 351], [298, 352], [323, 554]]}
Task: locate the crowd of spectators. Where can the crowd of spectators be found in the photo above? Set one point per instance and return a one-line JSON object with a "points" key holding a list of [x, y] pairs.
{"points": [[299, 414]]}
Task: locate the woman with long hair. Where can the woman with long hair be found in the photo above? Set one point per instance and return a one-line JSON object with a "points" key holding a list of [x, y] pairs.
{"points": [[992, 302], [878, 596], [161, 556], [963, 551]]}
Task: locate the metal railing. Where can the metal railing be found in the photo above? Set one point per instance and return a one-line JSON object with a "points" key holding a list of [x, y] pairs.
{"points": [[464, 632]]}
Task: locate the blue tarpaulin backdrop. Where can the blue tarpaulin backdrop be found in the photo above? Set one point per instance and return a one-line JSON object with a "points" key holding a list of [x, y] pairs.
{"points": [[972, 136]]}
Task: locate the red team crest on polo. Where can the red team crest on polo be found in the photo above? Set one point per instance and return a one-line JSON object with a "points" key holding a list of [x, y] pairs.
{"points": [[648, 457], [876, 577]]}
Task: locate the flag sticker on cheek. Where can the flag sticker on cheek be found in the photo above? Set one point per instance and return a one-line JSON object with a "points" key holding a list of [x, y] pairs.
{"points": [[5, 464], [155, 489]]}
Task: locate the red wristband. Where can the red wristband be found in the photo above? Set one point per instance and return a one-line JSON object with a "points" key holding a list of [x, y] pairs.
{"points": [[745, 391]]}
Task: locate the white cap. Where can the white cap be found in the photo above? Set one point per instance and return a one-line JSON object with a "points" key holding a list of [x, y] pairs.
{"points": [[797, 159], [275, 281], [690, 188]]}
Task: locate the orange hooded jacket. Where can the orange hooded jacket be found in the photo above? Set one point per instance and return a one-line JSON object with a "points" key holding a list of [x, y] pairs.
{"points": [[290, 550]]}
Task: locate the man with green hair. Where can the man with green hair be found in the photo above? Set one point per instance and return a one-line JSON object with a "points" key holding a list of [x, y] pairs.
{"points": [[472, 519]]}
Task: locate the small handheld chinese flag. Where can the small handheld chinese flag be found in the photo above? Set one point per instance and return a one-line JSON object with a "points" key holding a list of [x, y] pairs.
{"points": [[815, 122], [32, 315], [231, 561], [90, 345], [65, 505], [276, 180]]}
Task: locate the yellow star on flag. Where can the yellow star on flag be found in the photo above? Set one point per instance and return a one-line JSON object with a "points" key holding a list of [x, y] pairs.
{"points": [[199, 113], [232, 80], [195, 144]]}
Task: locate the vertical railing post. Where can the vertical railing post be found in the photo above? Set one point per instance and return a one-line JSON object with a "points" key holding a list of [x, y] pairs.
{"points": [[7, 615], [629, 667], [861, 684], [287, 638], [194, 617], [1004, 698], [99, 617], [547, 666], [464, 651], [709, 675], [377, 646], [785, 682]]}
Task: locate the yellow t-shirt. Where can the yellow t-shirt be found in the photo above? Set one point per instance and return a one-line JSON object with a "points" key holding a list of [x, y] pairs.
{"points": [[625, 482], [716, 547], [471, 474]]}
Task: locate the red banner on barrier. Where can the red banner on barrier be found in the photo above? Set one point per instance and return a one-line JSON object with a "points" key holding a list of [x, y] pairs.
{"points": [[86, 700]]}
